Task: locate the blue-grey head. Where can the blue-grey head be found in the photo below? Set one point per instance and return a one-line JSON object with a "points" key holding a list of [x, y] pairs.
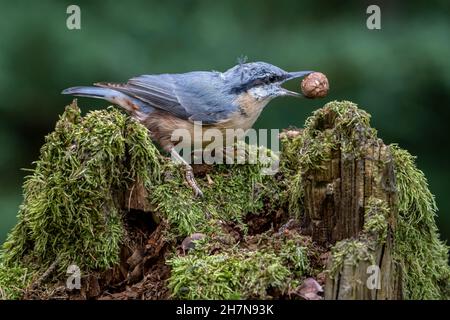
{"points": [[261, 80]]}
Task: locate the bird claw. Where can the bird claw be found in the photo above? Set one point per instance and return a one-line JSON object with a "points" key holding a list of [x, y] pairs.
{"points": [[189, 172], [192, 183]]}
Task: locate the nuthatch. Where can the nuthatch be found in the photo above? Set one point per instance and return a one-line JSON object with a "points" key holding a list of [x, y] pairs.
{"points": [[163, 103]]}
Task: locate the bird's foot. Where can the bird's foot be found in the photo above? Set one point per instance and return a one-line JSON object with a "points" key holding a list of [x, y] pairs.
{"points": [[192, 183], [189, 172]]}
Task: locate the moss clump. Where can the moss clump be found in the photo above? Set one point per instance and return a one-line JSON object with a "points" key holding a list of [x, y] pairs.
{"points": [[422, 256], [376, 219], [226, 276], [232, 192], [337, 126], [13, 280], [351, 252], [243, 271], [69, 211]]}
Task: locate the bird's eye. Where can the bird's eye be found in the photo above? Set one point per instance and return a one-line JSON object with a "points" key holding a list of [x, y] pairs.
{"points": [[272, 78]]}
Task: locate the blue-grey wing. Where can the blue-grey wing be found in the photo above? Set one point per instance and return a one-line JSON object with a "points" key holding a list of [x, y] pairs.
{"points": [[195, 96]]}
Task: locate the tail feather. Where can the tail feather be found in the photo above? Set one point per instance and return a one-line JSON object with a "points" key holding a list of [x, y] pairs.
{"points": [[89, 92], [136, 107]]}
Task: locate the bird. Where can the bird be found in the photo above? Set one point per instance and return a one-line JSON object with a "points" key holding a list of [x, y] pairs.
{"points": [[233, 99]]}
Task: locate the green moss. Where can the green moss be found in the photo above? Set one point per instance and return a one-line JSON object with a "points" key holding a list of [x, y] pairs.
{"points": [[236, 190], [349, 124], [422, 256], [350, 251], [336, 126], [376, 219], [13, 280], [296, 257], [68, 210], [240, 272], [225, 276]]}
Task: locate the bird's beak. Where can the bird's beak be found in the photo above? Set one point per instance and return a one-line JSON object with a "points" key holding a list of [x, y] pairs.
{"points": [[290, 76], [297, 74]]}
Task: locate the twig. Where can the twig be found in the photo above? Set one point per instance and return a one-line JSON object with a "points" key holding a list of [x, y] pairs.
{"points": [[46, 274]]}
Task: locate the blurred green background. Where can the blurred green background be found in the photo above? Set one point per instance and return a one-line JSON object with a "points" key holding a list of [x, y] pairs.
{"points": [[400, 74]]}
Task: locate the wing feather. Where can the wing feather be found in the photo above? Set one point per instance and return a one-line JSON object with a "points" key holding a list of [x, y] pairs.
{"points": [[182, 95]]}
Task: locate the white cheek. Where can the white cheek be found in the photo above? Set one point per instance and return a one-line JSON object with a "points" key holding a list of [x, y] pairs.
{"points": [[258, 93]]}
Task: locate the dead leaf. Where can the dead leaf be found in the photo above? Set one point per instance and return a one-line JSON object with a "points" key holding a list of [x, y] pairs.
{"points": [[310, 289]]}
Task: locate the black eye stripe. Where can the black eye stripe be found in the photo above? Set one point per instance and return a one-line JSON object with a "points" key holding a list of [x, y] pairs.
{"points": [[257, 81], [266, 80]]}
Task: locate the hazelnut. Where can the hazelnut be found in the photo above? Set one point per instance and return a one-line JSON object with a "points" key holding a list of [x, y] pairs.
{"points": [[315, 85]]}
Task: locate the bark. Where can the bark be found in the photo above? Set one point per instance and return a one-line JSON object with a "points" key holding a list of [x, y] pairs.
{"points": [[335, 202]]}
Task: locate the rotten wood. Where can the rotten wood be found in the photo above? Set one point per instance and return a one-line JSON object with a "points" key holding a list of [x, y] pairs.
{"points": [[335, 200]]}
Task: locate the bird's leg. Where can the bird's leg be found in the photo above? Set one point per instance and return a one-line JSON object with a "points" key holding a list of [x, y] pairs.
{"points": [[189, 173]]}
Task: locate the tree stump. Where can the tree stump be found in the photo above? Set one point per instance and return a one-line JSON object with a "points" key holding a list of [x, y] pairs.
{"points": [[339, 199], [345, 212]]}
